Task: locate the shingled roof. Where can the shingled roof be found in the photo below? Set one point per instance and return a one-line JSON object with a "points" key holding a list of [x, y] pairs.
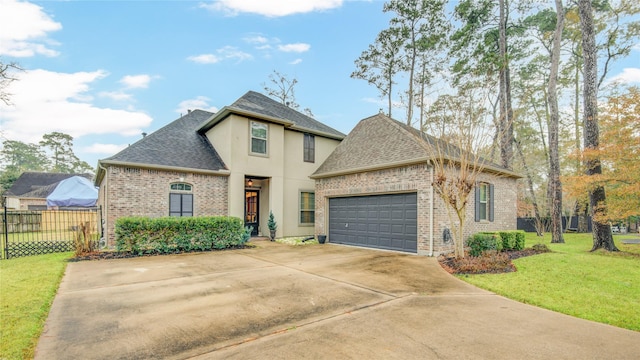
{"points": [[38, 184], [257, 105], [379, 142], [176, 145]]}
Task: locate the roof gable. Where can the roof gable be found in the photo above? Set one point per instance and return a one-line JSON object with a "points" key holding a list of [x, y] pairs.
{"points": [[381, 142], [38, 184], [178, 144], [263, 107], [377, 141]]}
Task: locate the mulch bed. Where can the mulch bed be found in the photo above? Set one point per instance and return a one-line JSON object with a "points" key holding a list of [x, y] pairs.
{"points": [[487, 263], [111, 254]]}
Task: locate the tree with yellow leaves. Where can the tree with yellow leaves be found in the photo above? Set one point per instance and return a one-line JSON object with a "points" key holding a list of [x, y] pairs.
{"points": [[619, 154]]}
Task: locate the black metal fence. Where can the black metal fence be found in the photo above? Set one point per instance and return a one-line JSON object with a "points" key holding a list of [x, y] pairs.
{"points": [[37, 232], [569, 223]]}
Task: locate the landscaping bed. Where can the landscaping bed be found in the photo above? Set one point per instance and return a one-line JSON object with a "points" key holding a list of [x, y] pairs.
{"points": [[112, 254], [489, 262]]}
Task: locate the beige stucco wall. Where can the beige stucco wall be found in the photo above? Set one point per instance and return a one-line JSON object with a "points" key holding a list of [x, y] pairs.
{"points": [[128, 191], [417, 178], [283, 168]]}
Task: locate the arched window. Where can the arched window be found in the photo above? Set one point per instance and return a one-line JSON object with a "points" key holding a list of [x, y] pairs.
{"points": [[181, 199]]}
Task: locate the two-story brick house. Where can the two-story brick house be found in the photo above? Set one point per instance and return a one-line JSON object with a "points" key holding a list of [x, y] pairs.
{"points": [[251, 157]]}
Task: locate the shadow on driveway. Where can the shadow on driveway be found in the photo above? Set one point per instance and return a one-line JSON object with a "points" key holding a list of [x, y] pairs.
{"points": [[322, 301]]}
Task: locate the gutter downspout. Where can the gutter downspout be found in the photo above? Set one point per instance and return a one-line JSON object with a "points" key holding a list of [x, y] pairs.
{"points": [[431, 214], [106, 211]]}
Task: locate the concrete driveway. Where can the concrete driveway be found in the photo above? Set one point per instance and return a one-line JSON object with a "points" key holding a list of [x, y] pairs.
{"points": [[282, 302]]}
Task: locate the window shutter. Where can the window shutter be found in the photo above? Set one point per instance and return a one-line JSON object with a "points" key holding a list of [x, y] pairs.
{"points": [[477, 202], [490, 202]]}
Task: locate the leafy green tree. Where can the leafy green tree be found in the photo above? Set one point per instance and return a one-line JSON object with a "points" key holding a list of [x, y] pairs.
{"points": [[555, 185], [602, 238], [380, 63], [423, 28], [22, 156], [63, 159]]}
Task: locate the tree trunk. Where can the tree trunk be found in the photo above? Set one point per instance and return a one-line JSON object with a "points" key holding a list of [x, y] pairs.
{"points": [[602, 237], [506, 111], [536, 211], [555, 186]]}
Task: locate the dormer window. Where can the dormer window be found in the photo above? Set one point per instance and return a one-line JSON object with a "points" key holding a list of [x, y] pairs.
{"points": [[259, 132]]}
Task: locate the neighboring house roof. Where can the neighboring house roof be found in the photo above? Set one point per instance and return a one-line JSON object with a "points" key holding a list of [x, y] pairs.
{"points": [[32, 184], [177, 145], [380, 142], [256, 105]]}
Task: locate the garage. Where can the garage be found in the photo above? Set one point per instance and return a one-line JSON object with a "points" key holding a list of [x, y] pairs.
{"points": [[377, 221]]}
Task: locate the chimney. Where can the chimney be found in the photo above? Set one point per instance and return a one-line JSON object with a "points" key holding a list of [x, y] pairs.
{"points": [[188, 111], [144, 134]]}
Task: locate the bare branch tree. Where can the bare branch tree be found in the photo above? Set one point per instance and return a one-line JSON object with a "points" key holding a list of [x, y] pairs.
{"points": [[6, 78], [284, 90]]}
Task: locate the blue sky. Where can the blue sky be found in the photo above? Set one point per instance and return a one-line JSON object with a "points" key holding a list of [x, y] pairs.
{"points": [[106, 71]]}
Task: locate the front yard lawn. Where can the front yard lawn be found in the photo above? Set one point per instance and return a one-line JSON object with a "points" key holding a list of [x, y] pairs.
{"points": [[27, 288], [597, 286]]}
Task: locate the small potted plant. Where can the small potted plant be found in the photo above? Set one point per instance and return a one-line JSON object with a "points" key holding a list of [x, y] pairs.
{"points": [[271, 223]]}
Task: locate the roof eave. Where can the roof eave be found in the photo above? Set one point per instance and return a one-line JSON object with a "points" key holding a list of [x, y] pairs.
{"points": [[103, 163], [369, 168], [489, 169], [318, 132], [228, 110]]}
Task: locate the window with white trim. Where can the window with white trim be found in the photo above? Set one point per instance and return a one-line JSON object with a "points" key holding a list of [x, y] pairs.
{"points": [[258, 138], [484, 202], [307, 208]]}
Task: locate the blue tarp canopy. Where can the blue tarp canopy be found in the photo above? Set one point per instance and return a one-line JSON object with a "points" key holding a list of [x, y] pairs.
{"points": [[73, 191]]}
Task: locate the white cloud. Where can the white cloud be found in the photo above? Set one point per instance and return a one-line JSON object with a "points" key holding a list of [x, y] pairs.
{"points": [[116, 95], [25, 29], [204, 59], [256, 39], [98, 148], [230, 52], [45, 101], [200, 102], [298, 47], [628, 76], [225, 53], [271, 8], [296, 62], [136, 81]]}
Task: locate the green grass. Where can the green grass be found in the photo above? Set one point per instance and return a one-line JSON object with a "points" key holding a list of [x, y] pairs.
{"points": [[597, 286], [27, 288], [296, 240]]}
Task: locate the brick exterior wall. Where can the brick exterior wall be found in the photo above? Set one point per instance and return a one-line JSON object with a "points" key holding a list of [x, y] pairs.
{"points": [[130, 191], [417, 178]]}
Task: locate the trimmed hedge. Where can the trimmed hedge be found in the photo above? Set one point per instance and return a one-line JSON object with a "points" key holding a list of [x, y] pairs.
{"points": [[499, 241], [142, 235], [481, 242]]}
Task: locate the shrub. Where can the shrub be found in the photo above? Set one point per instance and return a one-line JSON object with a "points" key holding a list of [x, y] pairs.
{"points": [[480, 242], [512, 240], [141, 235]]}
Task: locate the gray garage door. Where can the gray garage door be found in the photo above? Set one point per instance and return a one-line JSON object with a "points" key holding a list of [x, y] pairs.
{"points": [[377, 221]]}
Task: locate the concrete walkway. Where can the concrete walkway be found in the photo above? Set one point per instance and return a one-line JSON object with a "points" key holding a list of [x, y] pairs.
{"points": [[324, 301]]}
